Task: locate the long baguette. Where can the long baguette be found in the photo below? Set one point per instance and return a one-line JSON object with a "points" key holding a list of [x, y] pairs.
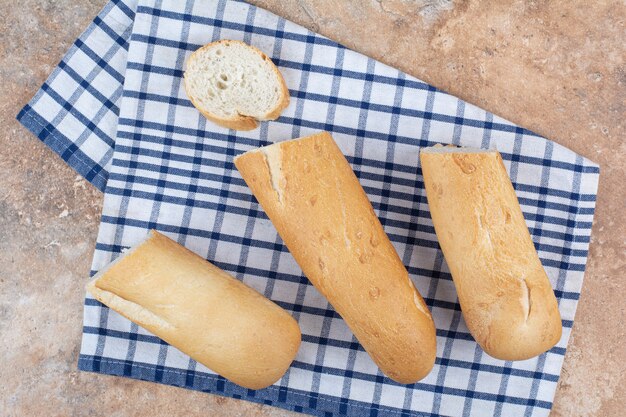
{"points": [[201, 310], [316, 203], [506, 298]]}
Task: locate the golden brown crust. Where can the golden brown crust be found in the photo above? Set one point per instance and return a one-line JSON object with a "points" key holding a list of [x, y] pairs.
{"points": [[506, 297], [240, 121], [201, 310], [284, 101], [320, 210]]}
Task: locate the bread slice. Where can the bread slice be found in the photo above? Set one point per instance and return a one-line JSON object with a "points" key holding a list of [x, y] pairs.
{"points": [[235, 85]]}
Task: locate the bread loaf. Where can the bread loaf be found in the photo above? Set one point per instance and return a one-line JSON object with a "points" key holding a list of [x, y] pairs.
{"points": [[320, 210], [235, 85], [201, 310], [506, 298]]}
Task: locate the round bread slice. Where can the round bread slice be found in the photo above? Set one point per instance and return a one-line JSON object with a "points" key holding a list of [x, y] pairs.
{"points": [[235, 85]]}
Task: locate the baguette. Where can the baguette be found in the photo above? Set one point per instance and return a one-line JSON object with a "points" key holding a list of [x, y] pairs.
{"points": [[235, 85], [505, 295], [316, 203], [201, 310]]}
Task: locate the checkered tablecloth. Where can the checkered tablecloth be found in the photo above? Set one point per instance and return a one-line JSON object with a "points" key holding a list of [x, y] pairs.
{"points": [[116, 111]]}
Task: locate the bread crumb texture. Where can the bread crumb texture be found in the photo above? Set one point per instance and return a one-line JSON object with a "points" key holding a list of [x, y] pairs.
{"points": [[229, 80]]}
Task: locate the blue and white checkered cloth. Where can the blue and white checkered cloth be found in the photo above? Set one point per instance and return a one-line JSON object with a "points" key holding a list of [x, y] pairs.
{"points": [[115, 109]]}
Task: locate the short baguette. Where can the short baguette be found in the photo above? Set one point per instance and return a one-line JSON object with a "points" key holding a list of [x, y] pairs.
{"points": [[320, 210], [201, 310], [235, 85], [506, 298]]}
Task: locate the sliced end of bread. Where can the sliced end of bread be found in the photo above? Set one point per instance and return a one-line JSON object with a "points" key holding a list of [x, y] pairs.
{"points": [[235, 85]]}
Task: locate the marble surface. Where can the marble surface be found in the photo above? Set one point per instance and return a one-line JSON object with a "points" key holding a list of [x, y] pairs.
{"points": [[554, 67]]}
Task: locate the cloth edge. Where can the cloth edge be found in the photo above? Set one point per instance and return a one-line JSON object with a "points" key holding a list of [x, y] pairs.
{"points": [[300, 401], [65, 148]]}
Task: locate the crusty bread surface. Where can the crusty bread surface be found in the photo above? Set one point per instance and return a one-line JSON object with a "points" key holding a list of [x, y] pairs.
{"points": [[505, 295], [235, 85], [201, 310], [320, 210]]}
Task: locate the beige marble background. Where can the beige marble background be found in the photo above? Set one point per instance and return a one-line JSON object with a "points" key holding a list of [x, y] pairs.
{"points": [[555, 67]]}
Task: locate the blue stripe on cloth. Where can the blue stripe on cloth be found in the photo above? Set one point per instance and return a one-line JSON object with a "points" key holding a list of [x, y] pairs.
{"points": [[321, 98], [126, 7], [99, 61], [372, 191], [347, 131], [138, 369], [218, 22], [275, 396], [106, 102], [362, 164], [432, 243]]}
